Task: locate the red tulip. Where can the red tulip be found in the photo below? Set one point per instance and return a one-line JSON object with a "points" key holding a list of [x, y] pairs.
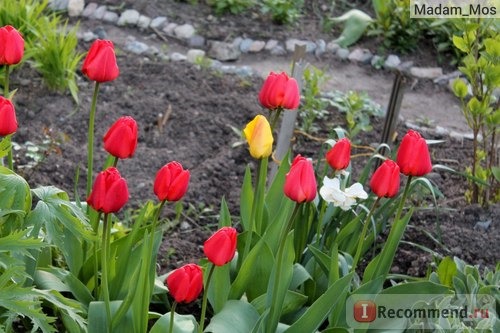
{"points": [[339, 155], [8, 122], [11, 46], [300, 182], [121, 138], [413, 155], [221, 246], [171, 182], [279, 91], [110, 192], [185, 283], [385, 180], [100, 63]]}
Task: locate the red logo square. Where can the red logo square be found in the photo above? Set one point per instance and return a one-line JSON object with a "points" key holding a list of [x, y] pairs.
{"points": [[365, 311]]}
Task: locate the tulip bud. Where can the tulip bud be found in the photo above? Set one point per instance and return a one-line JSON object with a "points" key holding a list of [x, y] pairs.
{"points": [[300, 182], [259, 137], [171, 182], [413, 155], [385, 180], [339, 156], [121, 138], [8, 121], [221, 246], [279, 91], [185, 283], [109, 193], [100, 63], [11, 46]]}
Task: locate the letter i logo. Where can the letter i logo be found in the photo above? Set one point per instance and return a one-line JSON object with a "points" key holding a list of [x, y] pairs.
{"points": [[365, 311]]}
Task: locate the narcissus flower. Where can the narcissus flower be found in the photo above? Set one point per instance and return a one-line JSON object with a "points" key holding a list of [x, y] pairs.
{"points": [[185, 283], [300, 182], [8, 121], [259, 137], [221, 246], [339, 156], [279, 91], [385, 180], [109, 193], [121, 138], [100, 63], [413, 156], [11, 46], [171, 182], [345, 199]]}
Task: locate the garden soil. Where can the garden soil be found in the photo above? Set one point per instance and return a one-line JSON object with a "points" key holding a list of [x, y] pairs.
{"points": [[194, 116]]}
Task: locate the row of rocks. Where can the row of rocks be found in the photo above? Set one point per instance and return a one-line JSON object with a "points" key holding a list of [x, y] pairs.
{"points": [[221, 51]]}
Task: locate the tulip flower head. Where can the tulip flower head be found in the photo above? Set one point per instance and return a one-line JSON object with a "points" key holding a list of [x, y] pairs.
{"points": [[339, 156], [121, 138], [300, 182], [385, 180], [259, 137], [171, 182], [221, 246], [413, 156], [11, 46], [279, 91], [100, 63], [109, 193], [345, 199], [185, 283], [8, 121]]}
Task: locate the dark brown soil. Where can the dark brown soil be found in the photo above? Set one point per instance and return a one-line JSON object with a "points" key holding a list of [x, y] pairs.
{"points": [[205, 108]]}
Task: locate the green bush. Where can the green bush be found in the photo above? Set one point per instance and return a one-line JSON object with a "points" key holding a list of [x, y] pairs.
{"points": [[283, 11], [230, 6]]}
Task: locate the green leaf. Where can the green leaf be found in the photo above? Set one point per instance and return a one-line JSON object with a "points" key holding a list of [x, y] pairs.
{"points": [[355, 26], [293, 302], [98, 323], [447, 269], [460, 44], [496, 172], [182, 324], [235, 317], [316, 314], [459, 88], [5, 146], [15, 195], [246, 199], [492, 47], [219, 288]]}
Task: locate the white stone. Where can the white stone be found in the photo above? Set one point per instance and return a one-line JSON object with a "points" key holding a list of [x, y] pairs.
{"points": [[257, 46], [158, 22], [271, 44], [332, 47], [176, 56], [426, 72], [195, 55], [223, 51], [129, 17], [58, 5], [75, 7], [100, 12], [290, 44], [184, 31], [136, 47], [143, 22], [392, 61], [90, 9], [169, 28], [110, 17], [360, 55], [89, 36]]}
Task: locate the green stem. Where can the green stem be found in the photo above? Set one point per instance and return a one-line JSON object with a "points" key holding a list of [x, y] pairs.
{"points": [[95, 227], [363, 235], [172, 315], [275, 115], [90, 138], [403, 199], [115, 161], [10, 159], [104, 267], [6, 85], [205, 298], [275, 307]]}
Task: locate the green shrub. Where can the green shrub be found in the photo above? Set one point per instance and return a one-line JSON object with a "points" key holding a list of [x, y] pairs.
{"points": [[230, 6], [283, 11]]}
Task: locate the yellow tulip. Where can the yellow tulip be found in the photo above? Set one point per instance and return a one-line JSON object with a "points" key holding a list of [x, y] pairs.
{"points": [[259, 137]]}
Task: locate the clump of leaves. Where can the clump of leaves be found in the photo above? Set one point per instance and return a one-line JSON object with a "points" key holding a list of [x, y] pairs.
{"points": [[313, 108], [230, 6], [283, 11]]}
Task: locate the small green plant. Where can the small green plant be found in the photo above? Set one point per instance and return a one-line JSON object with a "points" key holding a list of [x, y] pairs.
{"points": [[313, 108], [283, 11], [480, 41], [358, 107], [230, 6], [50, 45], [393, 23]]}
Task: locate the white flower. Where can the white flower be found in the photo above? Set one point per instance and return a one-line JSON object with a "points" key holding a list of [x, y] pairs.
{"points": [[331, 192]]}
